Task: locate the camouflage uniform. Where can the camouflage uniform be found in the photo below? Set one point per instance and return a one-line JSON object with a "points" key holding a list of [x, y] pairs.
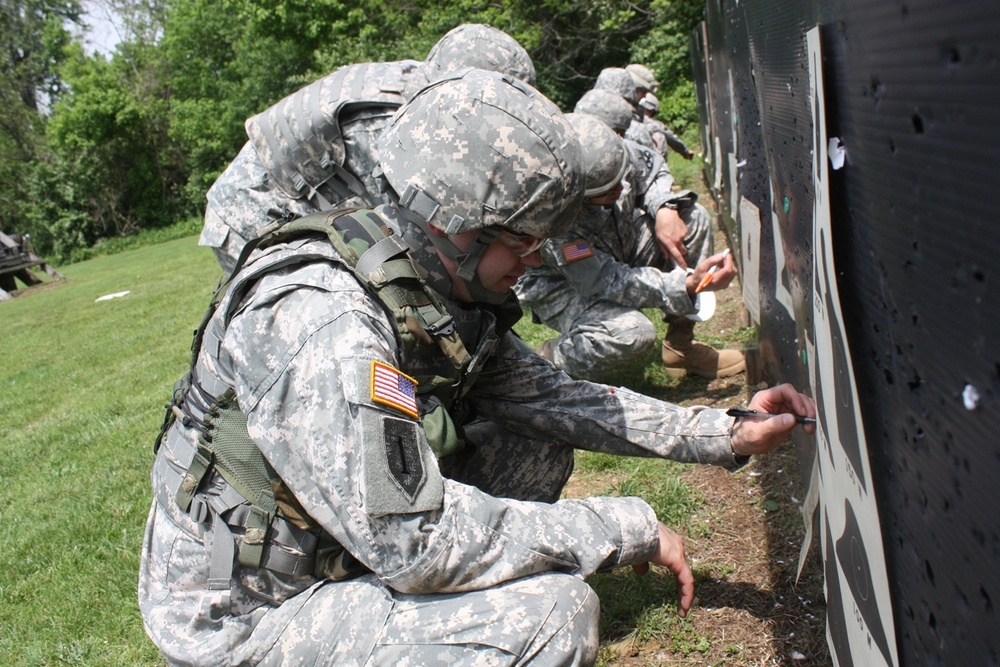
{"points": [[595, 280], [662, 136], [460, 543], [459, 561], [327, 132]]}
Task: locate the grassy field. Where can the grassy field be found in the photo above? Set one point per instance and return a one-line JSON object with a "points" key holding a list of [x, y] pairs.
{"points": [[82, 387]]}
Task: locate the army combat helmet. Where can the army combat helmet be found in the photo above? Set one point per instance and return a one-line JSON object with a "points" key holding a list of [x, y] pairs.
{"points": [[480, 46], [650, 103], [608, 106], [643, 77], [480, 151], [604, 156], [617, 80]]}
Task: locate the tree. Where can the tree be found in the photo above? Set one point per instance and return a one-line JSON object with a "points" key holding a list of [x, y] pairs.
{"points": [[32, 36]]}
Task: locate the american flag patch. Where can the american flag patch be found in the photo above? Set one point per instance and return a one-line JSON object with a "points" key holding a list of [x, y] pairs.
{"points": [[392, 388], [578, 250]]}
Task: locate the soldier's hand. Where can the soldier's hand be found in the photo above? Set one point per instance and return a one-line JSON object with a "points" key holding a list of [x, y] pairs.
{"points": [[670, 554], [759, 436], [670, 232], [721, 279]]}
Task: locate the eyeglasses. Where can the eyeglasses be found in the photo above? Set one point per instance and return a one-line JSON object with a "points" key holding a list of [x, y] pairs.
{"points": [[521, 245]]}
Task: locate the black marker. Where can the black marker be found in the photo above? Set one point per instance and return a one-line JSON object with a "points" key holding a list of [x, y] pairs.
{"points": [[744, 412]]}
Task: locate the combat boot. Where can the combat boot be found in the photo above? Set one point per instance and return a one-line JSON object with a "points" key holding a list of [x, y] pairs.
{"points": [[682, 355]]}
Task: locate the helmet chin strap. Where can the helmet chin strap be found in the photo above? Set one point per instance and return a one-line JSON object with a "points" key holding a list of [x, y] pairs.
{"points": [[412, 206]]}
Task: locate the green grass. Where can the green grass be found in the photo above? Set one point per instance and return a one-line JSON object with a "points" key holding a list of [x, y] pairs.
{"points": [[82, 387]]}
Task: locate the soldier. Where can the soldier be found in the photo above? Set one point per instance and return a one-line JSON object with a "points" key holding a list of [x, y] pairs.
{"points": [[413, 449], [594, 281], [662, 136], [618, 80], [315, 149], [607, 106], [646, 210]]}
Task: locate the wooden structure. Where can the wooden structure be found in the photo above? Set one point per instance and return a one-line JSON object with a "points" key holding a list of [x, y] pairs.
{"points": [[17, 259]]}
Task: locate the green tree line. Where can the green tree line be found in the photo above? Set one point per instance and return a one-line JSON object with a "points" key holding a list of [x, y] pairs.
{"points": [[95, 146]]}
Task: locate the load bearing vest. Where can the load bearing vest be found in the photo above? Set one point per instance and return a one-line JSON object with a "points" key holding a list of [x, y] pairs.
{"points": [[254, 515]]}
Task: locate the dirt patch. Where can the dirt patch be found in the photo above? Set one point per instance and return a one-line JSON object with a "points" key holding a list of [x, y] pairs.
{"points": [[744, 545]]}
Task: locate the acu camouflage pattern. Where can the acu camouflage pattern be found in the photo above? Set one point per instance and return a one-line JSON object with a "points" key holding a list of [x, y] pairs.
{"points": [[604, 154], [315, 150], [298, 140], [465, 156], [607, 106], [642, 77], [595, 303], [326, 129], [481, 47], [617, 80], [463, 571]]}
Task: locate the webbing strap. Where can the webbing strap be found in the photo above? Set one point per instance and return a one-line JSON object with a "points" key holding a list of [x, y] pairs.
{"points": [[220, 569], [381, 252]]}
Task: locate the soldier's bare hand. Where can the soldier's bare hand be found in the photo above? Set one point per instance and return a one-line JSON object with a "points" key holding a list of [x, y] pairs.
{"points": [[722, 277], [759, 436], [670, 554], [670, 232]]}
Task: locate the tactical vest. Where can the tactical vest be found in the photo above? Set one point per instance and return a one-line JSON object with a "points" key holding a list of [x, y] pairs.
{"points": [[299, 141], [253, 517]]}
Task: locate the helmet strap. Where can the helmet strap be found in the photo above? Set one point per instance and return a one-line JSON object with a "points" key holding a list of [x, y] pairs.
{"points": [[417, 208]]}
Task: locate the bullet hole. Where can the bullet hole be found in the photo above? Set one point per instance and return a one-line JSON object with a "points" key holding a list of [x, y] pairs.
{"points": [[978, 536], [978, 276], [952, 57], [914, 383], [892, 146], [888, 377], [930, 571], [932, 621], [985, 597], [918, 124]]}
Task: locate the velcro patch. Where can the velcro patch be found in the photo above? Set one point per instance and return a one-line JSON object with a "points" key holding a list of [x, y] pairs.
{"points": [[402, 454], [395, 389], [576, 251]]}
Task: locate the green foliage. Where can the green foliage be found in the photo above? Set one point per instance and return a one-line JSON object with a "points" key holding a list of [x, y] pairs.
{"points": [[32, 36], [134, 140]]}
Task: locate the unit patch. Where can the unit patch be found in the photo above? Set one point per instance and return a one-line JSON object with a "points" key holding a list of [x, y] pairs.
{"points": [[576, 250], [402, 453], [392, 388]]}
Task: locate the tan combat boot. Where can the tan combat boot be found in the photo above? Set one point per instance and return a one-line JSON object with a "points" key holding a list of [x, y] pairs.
{"points": [[682, 355]]}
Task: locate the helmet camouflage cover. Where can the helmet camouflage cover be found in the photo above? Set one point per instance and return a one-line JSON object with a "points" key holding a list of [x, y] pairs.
{"points": [[608, 106], [650, 102], [643, 77], [480, 46], [604, 154], [617, 80], [479, 149]]}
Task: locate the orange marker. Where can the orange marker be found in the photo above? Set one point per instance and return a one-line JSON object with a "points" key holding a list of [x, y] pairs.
{"points": [[708, 276]]}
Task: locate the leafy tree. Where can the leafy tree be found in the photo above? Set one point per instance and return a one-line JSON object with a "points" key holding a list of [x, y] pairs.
{"points": [[32, 35], [110, 167], [665, 50]]}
